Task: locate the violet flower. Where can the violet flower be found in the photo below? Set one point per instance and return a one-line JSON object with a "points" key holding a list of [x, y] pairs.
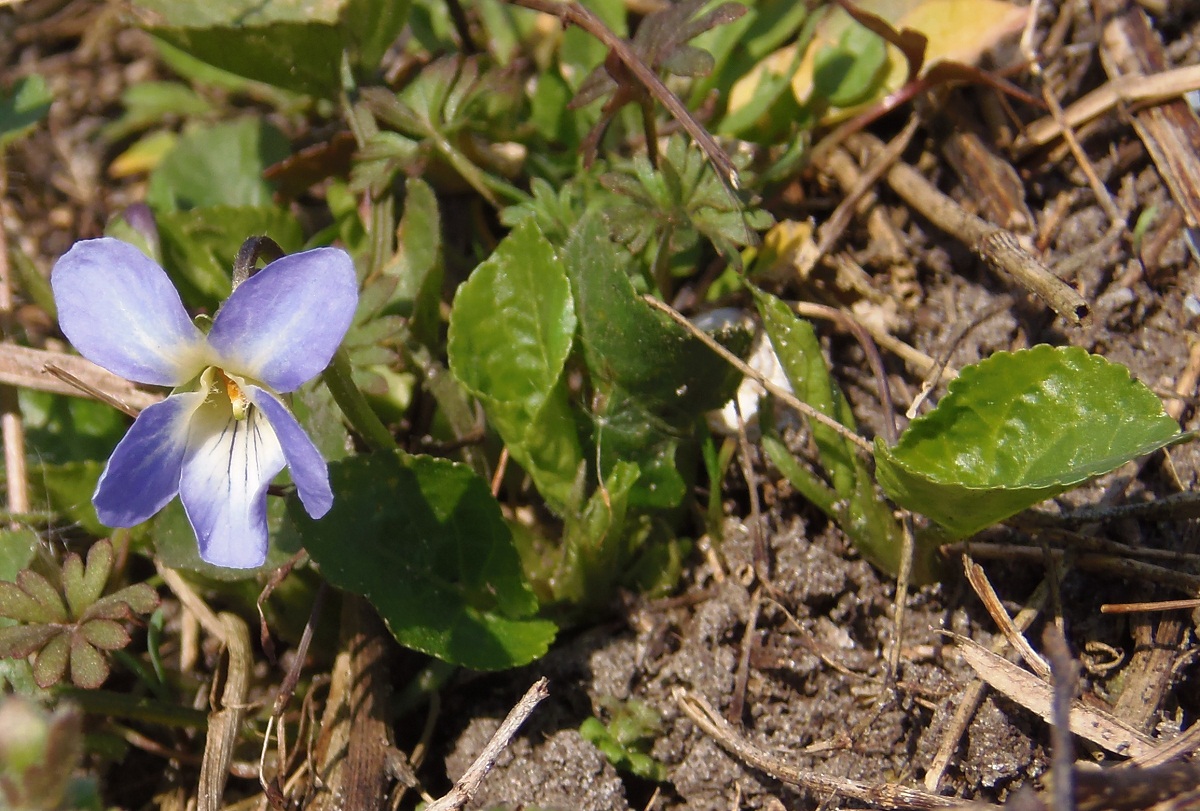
{"points": [[224, 433]]}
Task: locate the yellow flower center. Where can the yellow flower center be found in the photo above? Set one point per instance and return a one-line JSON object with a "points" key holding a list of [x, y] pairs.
{"points": [[215, 380]]}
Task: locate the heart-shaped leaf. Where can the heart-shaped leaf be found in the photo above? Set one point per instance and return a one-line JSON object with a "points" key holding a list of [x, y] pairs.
{"points": [[1018, 428], [424, 541]]}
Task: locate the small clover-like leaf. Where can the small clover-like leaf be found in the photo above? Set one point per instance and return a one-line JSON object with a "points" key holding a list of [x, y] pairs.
{"points": [[105, 634], [17, 604], [89, 668], [139, 598], [46, 595], [51, 662], [18, 641], [91, 585]]}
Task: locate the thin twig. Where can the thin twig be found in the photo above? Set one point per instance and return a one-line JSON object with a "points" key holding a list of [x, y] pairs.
{"points": [[997, 247], [13, 428], [1065, 679], [886, 795], [472, 778]]}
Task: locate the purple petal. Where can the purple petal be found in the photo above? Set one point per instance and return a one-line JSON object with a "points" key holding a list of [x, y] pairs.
{"points": [[309, 471], [284, 323], [121, 312], [142, 474], [228, 466]]}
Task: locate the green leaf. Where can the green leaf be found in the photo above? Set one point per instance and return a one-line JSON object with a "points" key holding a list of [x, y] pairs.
{"points": [[17, 604], [423, 540], [44, 593], [212, 13], [852, 71], [18, 641], [89, 668], [853, 503], [221, 164], [303, 57], [511, 329], [370, 27], [23, 108], [16, 550], [147, 104], [1018, 428], [629, 346], [417, 266], [51, 662], [139, 598], [83, 587], [105, 634], [800, 355], [68, 429], [67, 489]]}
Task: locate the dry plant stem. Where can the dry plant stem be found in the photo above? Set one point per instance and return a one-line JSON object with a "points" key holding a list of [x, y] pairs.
{"points": [[737, 701], [11, 426], [193, 602], [1034, 694], [785, 396], [997, 247], [365, 769], [900, 600], [972, 697], [762, 555], [575, 14], [224, 725], [915, 358], [1170, 130], [885, 795], [1098, 188], [1065, 683], [469, 783], [1133, 90], [1161, 605], [60, 373], [1122, 568], [835, 226], [987, 595]]}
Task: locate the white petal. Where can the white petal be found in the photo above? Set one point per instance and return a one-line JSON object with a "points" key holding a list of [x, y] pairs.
{"points": [[228, 466]]}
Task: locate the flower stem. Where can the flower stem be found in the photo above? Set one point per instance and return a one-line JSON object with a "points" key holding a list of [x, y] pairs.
{"points": [[354, 405]]}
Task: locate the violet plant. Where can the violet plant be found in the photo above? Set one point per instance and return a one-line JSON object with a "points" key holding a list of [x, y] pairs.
{"points": [[224, 433]]}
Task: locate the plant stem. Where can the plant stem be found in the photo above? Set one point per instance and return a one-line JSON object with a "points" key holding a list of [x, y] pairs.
{"points": [[354, 405]]}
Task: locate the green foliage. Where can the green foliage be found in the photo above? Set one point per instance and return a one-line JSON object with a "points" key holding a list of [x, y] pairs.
{"points": [[673, 206], [64, 619], [423, 540], [853, 70], [149, 104], [847, 492], [511, 330], [23, 108], [220, 164], [433, 118], [628, 737], [1019, 428], [292, 44], [67, 429]]}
